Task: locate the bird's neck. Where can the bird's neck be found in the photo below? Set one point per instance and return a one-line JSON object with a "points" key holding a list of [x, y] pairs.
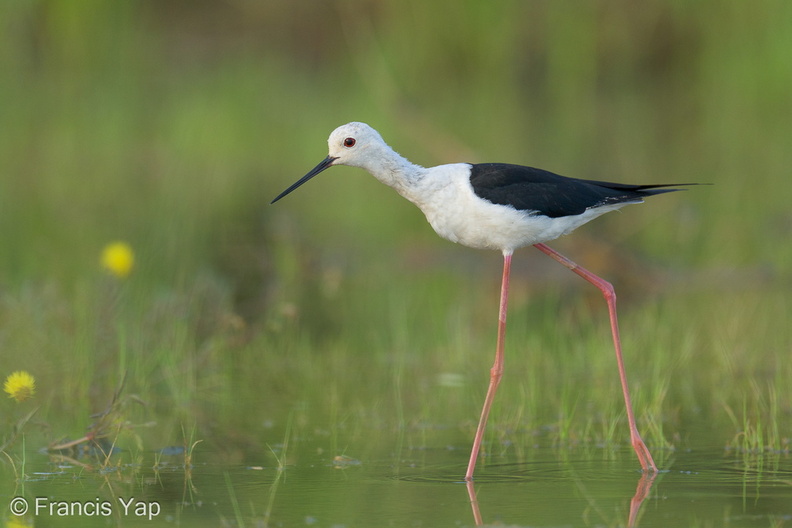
{"points": [[398, 172]]}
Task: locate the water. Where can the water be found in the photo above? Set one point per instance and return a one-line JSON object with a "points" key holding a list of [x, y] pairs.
{"points": [[555, 488]]}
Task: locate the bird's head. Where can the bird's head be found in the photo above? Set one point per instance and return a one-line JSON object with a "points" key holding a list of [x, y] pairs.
{"points": [[353, 144]]}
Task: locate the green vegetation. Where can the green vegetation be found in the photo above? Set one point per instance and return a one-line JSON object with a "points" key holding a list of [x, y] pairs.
{"points": [[338, 311]]}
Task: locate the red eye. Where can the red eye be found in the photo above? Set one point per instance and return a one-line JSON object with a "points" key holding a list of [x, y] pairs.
{"points": [[349, 142]]}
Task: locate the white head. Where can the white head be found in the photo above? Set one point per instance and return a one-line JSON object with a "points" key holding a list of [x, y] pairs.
{"points": [[354, 144]]}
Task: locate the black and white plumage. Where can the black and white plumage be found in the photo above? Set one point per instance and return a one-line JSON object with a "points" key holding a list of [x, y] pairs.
{"points": [[496, 206], [544, 193], [487, 205]]}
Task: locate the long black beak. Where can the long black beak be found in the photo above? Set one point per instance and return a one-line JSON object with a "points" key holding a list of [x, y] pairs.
{"points": [[326, 163]]}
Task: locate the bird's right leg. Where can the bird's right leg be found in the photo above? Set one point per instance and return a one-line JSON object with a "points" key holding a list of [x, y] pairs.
{"points": [[644, 456]]}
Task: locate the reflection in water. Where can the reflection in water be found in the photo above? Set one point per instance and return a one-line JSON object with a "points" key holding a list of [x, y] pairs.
{"points": [[295, 487], [474, 503], [641, 492]]}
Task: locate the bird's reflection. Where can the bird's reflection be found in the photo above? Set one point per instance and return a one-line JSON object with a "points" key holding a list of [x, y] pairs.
{"points": [[474, 503], [641, 492]]}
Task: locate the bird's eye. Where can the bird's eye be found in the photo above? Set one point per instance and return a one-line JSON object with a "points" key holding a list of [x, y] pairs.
{"points": [[349, 142]]}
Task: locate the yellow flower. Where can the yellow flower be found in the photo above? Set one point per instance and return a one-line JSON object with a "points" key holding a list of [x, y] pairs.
{"points": [[18, 522], [118, 259], [20, 385]]}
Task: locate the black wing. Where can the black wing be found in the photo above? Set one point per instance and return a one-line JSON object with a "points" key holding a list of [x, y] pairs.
{"points": [[552, 195]]}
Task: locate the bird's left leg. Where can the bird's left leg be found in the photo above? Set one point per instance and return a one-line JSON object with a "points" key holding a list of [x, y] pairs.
{"points": [[496, 372]]}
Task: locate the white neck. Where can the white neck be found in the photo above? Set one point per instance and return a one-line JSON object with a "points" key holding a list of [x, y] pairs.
{"points": [[395, 171]]}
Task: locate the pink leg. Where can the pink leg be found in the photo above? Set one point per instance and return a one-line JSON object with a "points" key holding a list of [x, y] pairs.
{"points": [[644, 457], [496, 372]]}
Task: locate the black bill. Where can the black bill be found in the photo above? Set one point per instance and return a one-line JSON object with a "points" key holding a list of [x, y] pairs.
{"points": [[327, 162]]}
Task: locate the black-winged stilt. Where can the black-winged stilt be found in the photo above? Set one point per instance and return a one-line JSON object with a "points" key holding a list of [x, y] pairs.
{"points": [[496, 206]]}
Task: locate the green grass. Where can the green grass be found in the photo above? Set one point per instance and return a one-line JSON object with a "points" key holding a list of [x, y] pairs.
{"points": [[339, 306]]}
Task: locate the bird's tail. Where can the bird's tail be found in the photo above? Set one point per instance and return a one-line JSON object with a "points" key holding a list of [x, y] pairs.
{"points": [[646, 190], [650, 190]]}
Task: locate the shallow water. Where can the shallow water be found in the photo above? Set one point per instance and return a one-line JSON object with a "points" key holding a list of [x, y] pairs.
{"points": [[555, 488]]}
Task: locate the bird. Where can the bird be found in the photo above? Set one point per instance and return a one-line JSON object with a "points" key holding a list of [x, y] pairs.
{"points": [[497, 206]]}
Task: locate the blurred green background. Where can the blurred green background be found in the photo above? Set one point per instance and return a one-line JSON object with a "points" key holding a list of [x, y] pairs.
{"points": [[171, 126]]}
